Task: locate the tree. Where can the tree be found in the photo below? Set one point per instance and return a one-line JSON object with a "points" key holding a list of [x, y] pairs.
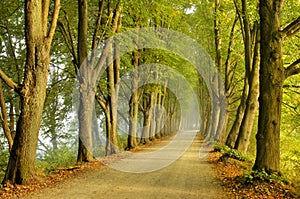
{"points": [[272, 76], [109, 103], [86, 88], [251, 46], [87, 68], [32, 91]]}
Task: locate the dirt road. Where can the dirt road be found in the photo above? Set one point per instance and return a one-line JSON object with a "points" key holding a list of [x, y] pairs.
{"points": [[187, 177]]}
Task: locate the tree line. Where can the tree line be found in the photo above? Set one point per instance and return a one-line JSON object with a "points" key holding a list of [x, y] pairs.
{"points": [[46, 49]]}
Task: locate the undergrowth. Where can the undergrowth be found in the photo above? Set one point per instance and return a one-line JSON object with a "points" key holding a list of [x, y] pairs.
{"points": [[231, 153], [52, 160], [253, 183]]}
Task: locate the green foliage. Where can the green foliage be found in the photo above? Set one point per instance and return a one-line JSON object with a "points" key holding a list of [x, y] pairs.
{"points": [[221, 148], [290, 164], [3, 162], [231, 153], [290, 130], [236, 154], [60, 158], [250, 177]]}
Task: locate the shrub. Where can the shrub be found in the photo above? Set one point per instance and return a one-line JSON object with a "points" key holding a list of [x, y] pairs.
{"points": [[60, 158], [231, 153], [264, 176]]}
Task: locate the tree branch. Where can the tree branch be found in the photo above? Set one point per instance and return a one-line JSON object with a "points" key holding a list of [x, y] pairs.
{"points": [[45, 11], [69, 42], [54, 21], [8, 81], [291, 86], [98, 24], [101, 102], [4, 119], [293, 69], [291, 29]]}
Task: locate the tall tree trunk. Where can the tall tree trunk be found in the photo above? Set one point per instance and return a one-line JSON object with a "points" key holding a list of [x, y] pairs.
{"points": [[234, 131], [85, 118], [216, 110], [245, 130], [146, 120], [217, 121], [146, 128], [229, 73], [204, 109], [112, 141], [272, 75], [88, 79], [222, 136], [33, 90], [113, 76], [134, 103], [153, 98], [160, 117], [243, 139], [87, 87]]}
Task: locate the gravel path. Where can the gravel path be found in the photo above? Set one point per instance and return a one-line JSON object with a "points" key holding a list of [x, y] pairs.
{"points": [[187, 177]]}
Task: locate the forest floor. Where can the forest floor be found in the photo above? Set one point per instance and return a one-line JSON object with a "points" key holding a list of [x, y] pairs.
{"points": [[187, 177]]}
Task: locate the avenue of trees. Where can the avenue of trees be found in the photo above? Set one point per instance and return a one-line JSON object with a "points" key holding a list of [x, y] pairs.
{"points": [[45, 56]]}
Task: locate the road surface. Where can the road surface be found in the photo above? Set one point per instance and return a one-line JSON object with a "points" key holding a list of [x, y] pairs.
{"points": [[186, 178]]}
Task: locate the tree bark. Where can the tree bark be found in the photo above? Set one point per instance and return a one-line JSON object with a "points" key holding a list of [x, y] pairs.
{"points": [[272, 75]]}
